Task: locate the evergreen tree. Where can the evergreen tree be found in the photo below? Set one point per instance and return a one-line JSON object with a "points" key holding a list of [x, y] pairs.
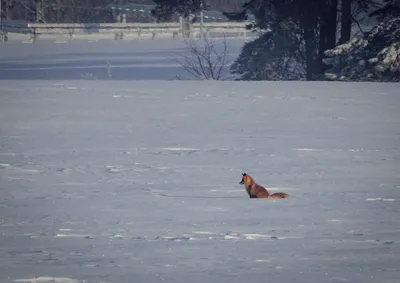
{"points": [[373, 57], [165, 9], [390, 9], [308, 25]]}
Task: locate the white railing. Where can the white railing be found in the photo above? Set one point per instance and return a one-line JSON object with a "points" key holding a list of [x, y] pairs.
{"points": [[123, 31]]}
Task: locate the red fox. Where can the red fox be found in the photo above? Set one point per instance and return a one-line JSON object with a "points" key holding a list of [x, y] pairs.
{"points": [[256, 191]]}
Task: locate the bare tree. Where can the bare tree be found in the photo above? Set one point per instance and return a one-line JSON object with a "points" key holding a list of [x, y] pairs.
{"points": [[205, 58]]}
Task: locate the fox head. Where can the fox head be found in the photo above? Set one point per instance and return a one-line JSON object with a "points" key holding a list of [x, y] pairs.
{"points": [[246, 180]]}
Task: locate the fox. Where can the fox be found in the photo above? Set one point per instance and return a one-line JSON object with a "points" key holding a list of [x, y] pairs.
{"points": [[256, 191]]}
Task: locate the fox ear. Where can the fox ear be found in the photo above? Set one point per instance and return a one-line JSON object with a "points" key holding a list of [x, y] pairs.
{"points": [[244, 174]]}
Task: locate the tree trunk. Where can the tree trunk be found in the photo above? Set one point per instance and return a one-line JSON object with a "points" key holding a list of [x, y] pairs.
{"points": [[185, 26], [58, 11], [9, 4], [345, 31], [38, 10], [327, 31], [308, 12], [309, 38]]}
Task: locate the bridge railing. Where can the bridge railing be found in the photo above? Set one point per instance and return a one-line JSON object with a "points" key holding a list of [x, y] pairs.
{"points": [[124, 31]]}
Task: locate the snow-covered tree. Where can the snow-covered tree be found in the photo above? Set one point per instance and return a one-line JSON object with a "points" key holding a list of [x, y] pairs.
{"points": [[375, 57], [390, 9]]}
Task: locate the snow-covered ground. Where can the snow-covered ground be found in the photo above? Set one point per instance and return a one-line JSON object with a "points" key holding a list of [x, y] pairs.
{"points": [[137, 181]]}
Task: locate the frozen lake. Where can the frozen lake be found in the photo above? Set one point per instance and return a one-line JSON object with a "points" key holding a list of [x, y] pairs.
{"points": [[137, 181], [128, 60]]}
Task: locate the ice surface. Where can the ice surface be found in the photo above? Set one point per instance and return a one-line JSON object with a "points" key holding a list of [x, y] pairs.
{"points": [[118, 60], [138, 181], [47, 279]]}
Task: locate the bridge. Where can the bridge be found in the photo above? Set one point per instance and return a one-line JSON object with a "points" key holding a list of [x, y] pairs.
{"points": [[31, 32]]}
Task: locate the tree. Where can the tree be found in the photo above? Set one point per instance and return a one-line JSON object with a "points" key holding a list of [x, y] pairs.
{"points": [[390, 9], [165, 9], [38, 7], [58, 10], [373, 57], [327, 31], [9, 9], [272, 56], [345, 31], [205, 59], [312, 28]]}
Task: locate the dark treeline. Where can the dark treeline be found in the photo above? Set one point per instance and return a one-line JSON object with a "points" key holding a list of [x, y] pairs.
{"points": [[80, 11]]}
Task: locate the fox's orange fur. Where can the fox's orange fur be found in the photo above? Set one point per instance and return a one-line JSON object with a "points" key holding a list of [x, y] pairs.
{"points": [[256, 191]]}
